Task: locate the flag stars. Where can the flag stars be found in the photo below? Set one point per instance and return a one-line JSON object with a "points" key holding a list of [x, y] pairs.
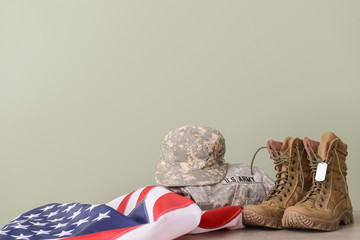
{"points": [[47, 208], [18, 221], [19, 226], [56, 219], [69, 207], [75, 214], [4, 232], [41, 232], [59, 225], [81, 221], [21, 236], [102, 216], [32, 216], [53, 222], [64, 204], [38, 223], [91, 208], [51, 214], [63, 233]]}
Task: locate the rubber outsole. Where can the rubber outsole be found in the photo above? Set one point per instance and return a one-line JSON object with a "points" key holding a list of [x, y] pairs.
{"points": [[297, 220], [251, 218]]}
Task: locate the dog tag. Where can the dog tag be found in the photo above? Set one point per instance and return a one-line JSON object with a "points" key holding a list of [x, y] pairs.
{"points": [[321, 172]]}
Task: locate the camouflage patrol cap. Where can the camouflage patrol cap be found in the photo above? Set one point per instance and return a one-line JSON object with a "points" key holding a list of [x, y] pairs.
{"points": [[191, 156]]}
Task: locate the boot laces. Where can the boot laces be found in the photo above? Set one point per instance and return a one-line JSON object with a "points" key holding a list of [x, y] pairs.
{"points": [[314, 194], [281, 183]]}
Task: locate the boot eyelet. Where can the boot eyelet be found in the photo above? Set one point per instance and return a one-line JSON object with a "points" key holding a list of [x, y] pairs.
{"points": [[294, 145], [292, 177], [292, 169], [280, 199], [320, 205], [294, 154], [292, 162], [289, 189], [284, 195]]}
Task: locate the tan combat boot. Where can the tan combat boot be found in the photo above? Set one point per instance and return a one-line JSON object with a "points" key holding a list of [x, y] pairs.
{"points": [[292, 182], [327, 204]]}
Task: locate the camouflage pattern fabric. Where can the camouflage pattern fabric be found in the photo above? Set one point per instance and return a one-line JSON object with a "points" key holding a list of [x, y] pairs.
{"points": [[238, 188], [191, 156]]}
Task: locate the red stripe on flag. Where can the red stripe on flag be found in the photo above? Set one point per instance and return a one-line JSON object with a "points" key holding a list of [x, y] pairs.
{"points": [[124, 203], [218, 217], [105, 235], [168, 202], [144, 193]]}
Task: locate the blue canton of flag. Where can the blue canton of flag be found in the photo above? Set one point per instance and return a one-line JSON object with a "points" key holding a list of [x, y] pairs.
{"points": [[57, 221]]}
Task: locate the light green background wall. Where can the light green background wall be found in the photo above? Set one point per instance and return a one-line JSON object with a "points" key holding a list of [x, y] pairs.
{"points": [[89, 88]]}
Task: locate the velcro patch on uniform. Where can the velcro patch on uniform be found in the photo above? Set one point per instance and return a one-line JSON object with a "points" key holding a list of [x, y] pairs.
{"points": [[240, 179]]}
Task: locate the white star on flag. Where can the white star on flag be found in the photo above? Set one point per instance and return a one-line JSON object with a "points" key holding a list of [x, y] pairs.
{"points": [[63, 233], [59, 225], [81, 221], [41, 232], [56, 219], [38, 223], [19, 226], [47, 208], [69, 208], [18, 221], [21, 236], [64, 204], [32, 215], [4, 232], [92, 207], [51, 214], [75, 214], [102, 215]]}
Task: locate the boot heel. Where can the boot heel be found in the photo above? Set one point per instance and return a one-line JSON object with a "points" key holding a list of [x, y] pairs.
{"points": [[347, 218]]}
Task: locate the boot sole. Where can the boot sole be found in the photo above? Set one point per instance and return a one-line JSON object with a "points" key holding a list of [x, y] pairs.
{"points": [[251, 218], [297, 220]]}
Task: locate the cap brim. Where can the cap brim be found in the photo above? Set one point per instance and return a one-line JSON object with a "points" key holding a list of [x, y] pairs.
{"points": [[177, 177]]}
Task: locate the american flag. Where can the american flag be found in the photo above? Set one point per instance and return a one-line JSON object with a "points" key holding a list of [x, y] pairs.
{"points": [[148, 213], [229, 217]]}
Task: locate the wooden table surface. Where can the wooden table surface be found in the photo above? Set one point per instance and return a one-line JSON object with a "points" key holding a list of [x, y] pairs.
{"points": [[346, 232]]}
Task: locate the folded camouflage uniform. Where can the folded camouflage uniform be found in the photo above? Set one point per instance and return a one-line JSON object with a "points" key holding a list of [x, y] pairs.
{"points": [[192, 164]]}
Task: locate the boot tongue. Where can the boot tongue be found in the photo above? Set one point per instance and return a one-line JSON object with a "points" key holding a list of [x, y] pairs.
{"points": [[287, 143], [280, 148], [311, 146], [325, 142], [285, 149]]}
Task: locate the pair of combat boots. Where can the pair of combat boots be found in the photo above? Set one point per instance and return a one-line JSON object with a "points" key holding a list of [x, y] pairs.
{"points": [[310, 190]]}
